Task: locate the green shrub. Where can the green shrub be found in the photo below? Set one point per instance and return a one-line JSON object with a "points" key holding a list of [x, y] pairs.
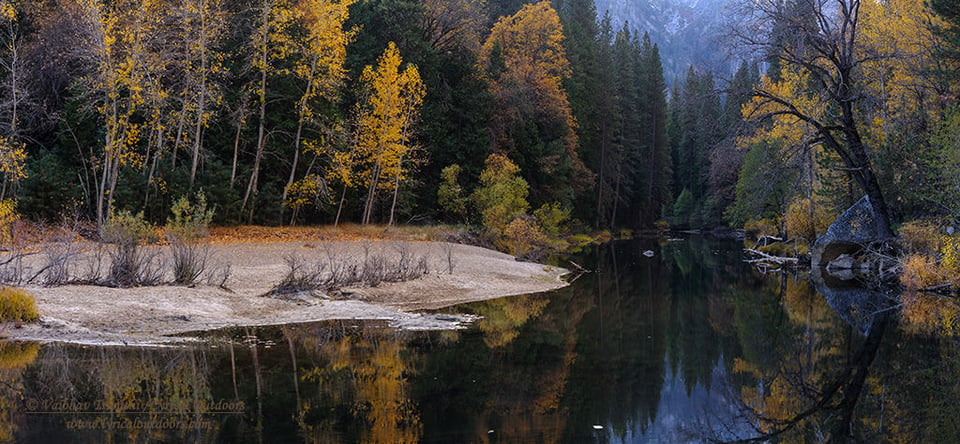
{"points": [[502, 195], [450, 194], [17, 305], [551, 218]]}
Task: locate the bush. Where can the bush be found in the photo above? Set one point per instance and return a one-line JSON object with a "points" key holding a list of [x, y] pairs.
{"points": [[502, 195], [920, 237], [806, 219], [919, 272], [17, 305], [950, 261], [762, 227], [186, 231], [523, 238], [129, 266], [8, 216], [450, 195]]}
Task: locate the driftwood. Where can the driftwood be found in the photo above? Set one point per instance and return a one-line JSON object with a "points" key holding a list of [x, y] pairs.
{"points": [[764, 258]]}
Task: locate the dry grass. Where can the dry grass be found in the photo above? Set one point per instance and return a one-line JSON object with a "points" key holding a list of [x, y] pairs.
{"points": [[344, 232], [17, 305]]}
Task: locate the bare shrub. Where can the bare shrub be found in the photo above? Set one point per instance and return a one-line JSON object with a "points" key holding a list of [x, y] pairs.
{"points": [[59, 254], [187, 233], [332, 274], [129, 265], [218, 275], [448, 256]]}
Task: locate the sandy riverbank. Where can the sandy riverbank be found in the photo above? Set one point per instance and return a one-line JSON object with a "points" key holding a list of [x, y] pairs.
{"points": [[148, 315]]}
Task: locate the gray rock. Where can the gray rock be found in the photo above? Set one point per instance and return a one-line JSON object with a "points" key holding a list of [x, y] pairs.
{"points": [[849, 234]]}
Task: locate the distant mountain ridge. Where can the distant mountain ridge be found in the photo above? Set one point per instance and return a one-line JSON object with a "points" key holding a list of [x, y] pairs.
{"points": [[686, 31]]}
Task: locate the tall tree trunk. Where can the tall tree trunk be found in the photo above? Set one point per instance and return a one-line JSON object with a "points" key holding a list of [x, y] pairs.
{"points": [[396, 191], [254, 176], [241, 116], [343, 198], [371, 195]]}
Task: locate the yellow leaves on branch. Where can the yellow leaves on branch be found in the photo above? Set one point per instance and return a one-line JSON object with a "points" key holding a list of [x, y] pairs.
{"points": [[898, 45], [325, 47], [384, 120], [788, 104]]}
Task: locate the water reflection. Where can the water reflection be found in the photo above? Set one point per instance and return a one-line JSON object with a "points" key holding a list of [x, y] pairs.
{"points": [[689, 345]]}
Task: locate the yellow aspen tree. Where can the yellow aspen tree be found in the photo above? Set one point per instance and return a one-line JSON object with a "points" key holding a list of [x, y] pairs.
{"points": [[320, 68], [270, 43], [12, 165], [204, 26], [525, 65], [384, 120], [899, 48], [114, 45]]}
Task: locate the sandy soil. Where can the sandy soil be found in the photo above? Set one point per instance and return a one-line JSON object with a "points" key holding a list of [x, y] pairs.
{"points": [[149, 315]]}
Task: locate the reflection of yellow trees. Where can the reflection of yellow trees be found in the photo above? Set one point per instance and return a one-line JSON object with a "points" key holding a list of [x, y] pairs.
{"points": [[929, 314], [502, 318], [804, 306], [156, 384], [370, 363], [381, 396], [802, 367], [14, 358]]}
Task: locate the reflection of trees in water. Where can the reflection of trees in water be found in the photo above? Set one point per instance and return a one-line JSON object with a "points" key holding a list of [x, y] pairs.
{"points": [[819, 379], [123, 385], [14, 358], [363, 373]]}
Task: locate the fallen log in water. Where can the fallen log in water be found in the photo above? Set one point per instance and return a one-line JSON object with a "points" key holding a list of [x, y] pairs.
{"points": [[764, 258]]}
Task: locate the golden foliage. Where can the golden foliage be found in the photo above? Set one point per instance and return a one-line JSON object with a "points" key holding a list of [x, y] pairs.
{"points": [[17, 355], [17, 305], [898, 46], [928, 314], [919, 272], [806, 219], [384, 120], [950, 261], [311, 190], [8, 217], [525, 64], [762, 227], [920, 237], [523, 236], [786, 103], [324, 49]]}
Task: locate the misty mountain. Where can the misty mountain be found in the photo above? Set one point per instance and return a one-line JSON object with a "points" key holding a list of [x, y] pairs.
{"points": [[687, 31]]}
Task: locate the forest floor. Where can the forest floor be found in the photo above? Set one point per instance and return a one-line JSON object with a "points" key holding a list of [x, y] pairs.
{"points": [[257, 260]]}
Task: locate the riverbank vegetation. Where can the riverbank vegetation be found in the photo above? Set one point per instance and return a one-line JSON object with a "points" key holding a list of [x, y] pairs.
{"points": [[534, 121]]}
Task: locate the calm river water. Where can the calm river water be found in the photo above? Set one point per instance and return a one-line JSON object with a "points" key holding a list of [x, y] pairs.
{"points": [[689, 345]]}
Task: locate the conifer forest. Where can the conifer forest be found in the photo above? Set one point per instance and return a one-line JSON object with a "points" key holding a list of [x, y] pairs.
{"points": [[306, 112]]}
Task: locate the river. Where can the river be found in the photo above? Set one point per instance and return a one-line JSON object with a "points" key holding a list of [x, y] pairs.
{"points": [[688, 345]]}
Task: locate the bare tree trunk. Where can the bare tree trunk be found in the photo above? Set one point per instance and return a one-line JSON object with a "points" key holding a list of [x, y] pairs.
{"points": [[241, 116], [254, 176], [343, 198], [602, 168], [371, 195], [393, 206]]}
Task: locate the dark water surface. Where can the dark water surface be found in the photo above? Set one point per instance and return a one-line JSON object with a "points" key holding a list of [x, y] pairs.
{"points": [[690, 345]]}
